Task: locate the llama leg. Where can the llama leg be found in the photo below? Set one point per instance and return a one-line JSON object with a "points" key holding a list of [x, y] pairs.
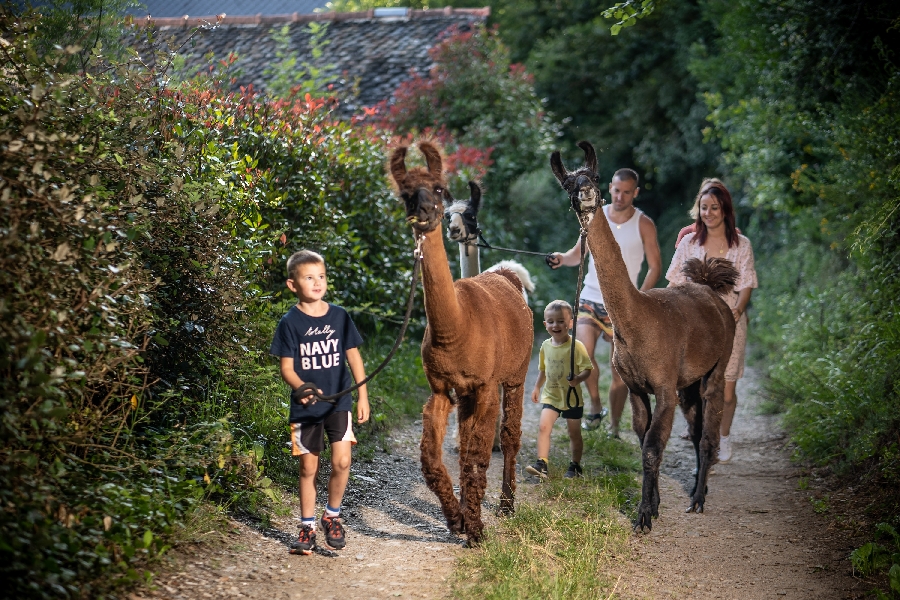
{"points": [[497, 446], [510, 443], [477, 414], [654, 444], [692, 407], [434, 426], [713, 394], [640, 415]]}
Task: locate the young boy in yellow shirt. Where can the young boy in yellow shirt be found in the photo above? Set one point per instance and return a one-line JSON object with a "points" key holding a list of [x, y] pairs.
{"points": [[558, 400]]}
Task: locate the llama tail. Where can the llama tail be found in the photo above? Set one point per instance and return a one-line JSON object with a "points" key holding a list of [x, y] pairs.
{"points": [[717, 273], [525, 283], [519, 270]]}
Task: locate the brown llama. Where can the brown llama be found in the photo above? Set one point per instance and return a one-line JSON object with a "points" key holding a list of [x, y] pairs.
{"points": [[674, 342], [478, 339]]}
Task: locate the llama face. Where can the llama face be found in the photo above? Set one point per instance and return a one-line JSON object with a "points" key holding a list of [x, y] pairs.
{"points": [[458, 229], [462, 215], [421, 189], [424, 208], [583, 184]]}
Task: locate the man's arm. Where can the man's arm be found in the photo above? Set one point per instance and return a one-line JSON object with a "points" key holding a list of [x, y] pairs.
{"points": [[651, 252], [570, 258], [354, 359]]}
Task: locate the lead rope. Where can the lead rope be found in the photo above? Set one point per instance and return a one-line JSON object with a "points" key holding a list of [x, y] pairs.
{"points": [[308, 389], [572, 390]]}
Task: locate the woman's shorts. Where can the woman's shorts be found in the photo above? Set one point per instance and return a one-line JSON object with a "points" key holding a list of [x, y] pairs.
{"points": [[309, 438], [569, 413], [594, 313]]}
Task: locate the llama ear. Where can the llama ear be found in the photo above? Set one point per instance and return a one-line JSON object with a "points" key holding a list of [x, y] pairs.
{"points": [[397, 165], [590, 156], [475, 197], [432, 158], [556, 165]]}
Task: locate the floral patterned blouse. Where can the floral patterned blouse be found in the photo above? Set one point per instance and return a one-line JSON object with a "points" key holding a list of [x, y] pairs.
{"points": [[741, 256]]}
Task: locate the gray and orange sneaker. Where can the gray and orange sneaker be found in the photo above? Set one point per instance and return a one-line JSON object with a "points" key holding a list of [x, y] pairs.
{"points": [[334, 532], [538, 469], [306, 541]]}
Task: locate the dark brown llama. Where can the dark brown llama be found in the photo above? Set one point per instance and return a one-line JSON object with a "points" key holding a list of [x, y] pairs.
{"points": [[674, 342], [478, 339]]}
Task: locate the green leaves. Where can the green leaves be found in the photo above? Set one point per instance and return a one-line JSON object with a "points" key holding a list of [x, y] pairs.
{"points": [[627, 13]]}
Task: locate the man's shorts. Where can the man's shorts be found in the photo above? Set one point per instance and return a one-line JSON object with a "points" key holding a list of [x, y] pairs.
{"points": [[309, 438], [569, 413], [594, 313]]}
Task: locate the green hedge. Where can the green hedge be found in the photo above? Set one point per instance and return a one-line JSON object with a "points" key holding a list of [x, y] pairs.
{"points": [[143, 234]]}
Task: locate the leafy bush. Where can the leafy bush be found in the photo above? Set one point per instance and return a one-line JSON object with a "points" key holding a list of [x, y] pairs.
{"points": [[483, 102], [86, 485], [874, 557], [812, 144], [144, 234]]}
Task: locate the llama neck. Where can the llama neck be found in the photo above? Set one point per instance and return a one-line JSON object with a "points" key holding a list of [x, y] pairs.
{"points": [[620, 298], [441, 305]]}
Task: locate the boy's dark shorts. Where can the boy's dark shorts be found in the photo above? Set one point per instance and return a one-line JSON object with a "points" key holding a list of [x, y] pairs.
{"points": [[569, 413], [309, 438]]}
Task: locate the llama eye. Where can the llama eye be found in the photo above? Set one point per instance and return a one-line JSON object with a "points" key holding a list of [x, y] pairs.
{"points": [[438, 190]]}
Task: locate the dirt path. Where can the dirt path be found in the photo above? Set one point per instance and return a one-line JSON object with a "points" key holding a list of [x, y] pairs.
{"points": [[759, 536]]}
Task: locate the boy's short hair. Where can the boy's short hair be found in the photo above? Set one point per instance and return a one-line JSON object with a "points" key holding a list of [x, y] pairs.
{"points": [[627, 175], [562, 306], [303, 257]]}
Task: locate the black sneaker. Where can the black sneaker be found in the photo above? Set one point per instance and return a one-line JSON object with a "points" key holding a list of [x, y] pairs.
{"points": [[573, 471], [334, 532], [538, 469], [306, 541]]}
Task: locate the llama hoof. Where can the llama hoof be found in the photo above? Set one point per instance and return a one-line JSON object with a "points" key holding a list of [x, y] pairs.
{"points": [[645, 519], [506, 510], [696, 506], [473, 538], [456, 525]]}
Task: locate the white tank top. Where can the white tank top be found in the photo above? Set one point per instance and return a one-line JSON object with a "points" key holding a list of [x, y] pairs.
{"points": [[628, 235]]}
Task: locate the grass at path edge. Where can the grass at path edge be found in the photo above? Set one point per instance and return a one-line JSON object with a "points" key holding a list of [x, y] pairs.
{"points": [[566, 536]]}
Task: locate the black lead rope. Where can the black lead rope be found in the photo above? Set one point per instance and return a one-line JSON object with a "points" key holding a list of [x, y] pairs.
{"points": [[308, 389], [485, 244], [573, 390]]}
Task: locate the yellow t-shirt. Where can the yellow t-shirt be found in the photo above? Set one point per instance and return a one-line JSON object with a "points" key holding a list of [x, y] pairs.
{"points": [[555, 362]]}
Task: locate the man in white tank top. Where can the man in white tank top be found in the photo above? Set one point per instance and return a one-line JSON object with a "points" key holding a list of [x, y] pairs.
{"points": [[636, 235]]}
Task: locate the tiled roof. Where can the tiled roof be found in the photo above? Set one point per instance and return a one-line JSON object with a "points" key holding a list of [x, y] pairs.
{"points": [[371, 54], [203, 8]]}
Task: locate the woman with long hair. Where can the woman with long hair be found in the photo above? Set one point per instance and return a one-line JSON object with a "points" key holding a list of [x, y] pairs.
{"points": [[715, 235]]}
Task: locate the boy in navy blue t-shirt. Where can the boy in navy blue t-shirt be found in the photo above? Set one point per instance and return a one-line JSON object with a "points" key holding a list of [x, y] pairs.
{"points": [[315, 341]]}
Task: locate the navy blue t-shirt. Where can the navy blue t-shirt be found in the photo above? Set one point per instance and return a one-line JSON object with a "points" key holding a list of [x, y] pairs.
{"points": [[319, 347]]}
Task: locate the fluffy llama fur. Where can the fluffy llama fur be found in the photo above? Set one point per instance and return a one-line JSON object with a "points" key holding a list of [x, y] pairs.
{"points": [[520, 271]]}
